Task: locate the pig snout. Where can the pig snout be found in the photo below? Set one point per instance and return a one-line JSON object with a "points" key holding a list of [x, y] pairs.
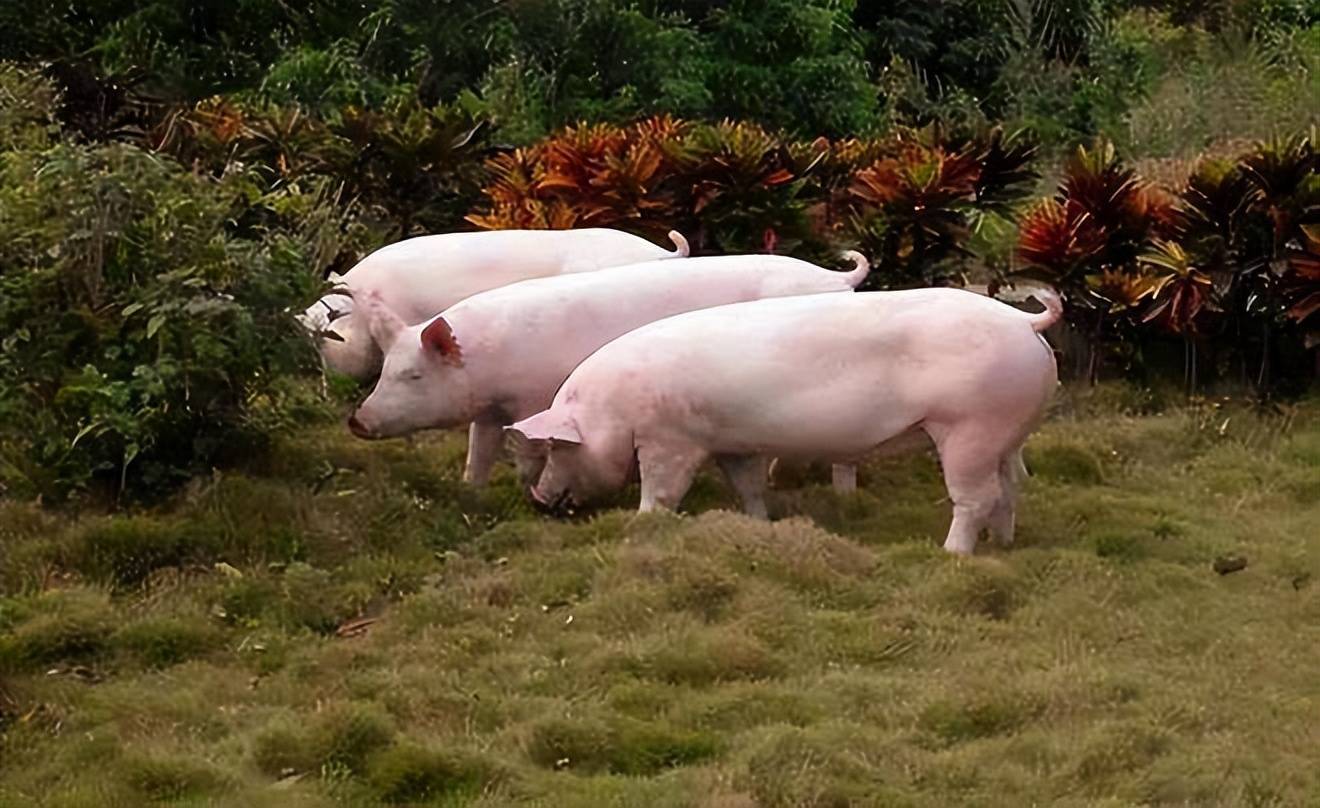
{"points": [[359, 429]]}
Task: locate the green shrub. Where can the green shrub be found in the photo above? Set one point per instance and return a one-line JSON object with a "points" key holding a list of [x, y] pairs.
{"points": [[345, 735], [955, 722], [27, 116], [1119, 546], [704, 658], [407, 773], [979, 587], [69, 626], [1066, 464], [822, 766], [301, 597], [124, 551], [161, 779], [163, 641], [144, 337], [310, 598]]}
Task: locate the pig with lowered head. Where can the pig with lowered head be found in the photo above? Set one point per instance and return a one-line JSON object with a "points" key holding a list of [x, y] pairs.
{"points": [[821, 377], [420, 277], [499, 356]]}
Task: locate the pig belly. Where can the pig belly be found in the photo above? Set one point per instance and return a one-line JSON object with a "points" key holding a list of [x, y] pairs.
{"points": [[828, 424], [845, 401]]}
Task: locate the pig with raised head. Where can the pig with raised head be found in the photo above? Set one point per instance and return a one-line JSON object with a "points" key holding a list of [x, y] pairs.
{"points": [[421, 277], [499, 356], [824, 377]]}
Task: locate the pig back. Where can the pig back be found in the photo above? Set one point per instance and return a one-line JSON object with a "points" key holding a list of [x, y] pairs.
{"points": [[421, 276], [528, 337], [819, 374]]}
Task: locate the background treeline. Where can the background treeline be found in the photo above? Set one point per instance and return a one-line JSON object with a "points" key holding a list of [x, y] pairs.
{"points": [[177, 177]]}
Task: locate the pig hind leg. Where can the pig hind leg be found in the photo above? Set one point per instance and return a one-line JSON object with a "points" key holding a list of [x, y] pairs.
{"points": [[747, 474], [667, 470], [971, 467], [1012, 473]]}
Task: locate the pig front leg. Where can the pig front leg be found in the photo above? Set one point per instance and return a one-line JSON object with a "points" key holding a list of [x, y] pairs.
{"points": [[747, 474], [484, 441], [667, 470]]}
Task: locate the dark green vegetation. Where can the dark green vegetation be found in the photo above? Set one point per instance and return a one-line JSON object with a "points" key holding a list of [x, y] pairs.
{"points": [[813, 67], [353, 627]]}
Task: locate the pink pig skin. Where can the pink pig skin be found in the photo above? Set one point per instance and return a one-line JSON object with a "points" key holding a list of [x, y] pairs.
{"points": [[499, 356], [420, 277], [823, 377]]}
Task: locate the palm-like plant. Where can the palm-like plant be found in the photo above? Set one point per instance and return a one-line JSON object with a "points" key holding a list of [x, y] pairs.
{"points": [[1007, 170], [1180, 291], [1102, 219], [1059, 242], [417, 163], [1214, 208], [586, 176], [910, 210], [1283, 177], [1113, 195], [1284, 172], [742, 185], [511, 193], [1181, 294], [207, 135], [289, 141], [1301, 285]]}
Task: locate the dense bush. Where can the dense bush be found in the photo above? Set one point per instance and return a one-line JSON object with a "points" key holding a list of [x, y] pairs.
{"points": [[1228, 261], [145, 334], [910, 200]]}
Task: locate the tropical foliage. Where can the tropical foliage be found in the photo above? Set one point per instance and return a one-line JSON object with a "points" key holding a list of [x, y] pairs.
{"points": [[1226, 256]]}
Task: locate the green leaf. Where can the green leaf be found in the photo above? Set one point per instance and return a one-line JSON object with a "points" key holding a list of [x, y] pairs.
{"points": [[84, 432], [132, 309], [154, 324]]}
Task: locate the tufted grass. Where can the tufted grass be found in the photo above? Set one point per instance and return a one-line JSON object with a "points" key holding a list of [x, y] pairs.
{"points": [[345, 623]]}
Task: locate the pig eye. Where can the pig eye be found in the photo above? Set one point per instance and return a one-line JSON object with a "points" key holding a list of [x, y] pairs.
{"points": [[415, 375]]}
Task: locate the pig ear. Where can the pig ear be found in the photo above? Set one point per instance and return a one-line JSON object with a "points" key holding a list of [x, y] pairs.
{"points": [[546, 426], [439, 337], [382, 322]]}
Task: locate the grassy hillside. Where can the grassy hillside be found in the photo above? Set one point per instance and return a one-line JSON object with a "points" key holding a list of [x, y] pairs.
{"points": [[345, 624]]}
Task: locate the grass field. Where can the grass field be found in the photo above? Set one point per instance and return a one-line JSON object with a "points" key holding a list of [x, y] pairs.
{"points": [[346, 624]]}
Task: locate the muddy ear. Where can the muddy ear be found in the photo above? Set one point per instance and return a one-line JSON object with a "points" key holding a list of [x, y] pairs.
{"points": [[439, 337], [383, 324], [546, 426]]}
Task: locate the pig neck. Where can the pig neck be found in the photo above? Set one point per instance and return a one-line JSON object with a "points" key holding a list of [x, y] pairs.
{"points": [[478, 376]]}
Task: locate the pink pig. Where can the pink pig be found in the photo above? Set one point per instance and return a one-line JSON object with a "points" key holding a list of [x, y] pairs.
{"points": [[421, 277], [499, 356], [822, 377]]}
